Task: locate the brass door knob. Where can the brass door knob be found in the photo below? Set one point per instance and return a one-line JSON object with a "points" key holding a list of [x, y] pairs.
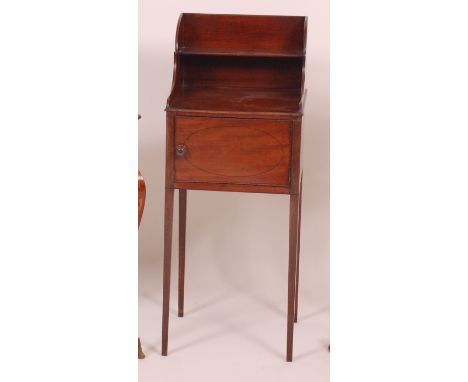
{"points": [[180, 149]]}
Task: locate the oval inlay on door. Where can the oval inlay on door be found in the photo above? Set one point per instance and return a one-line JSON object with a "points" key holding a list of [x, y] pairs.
{"points": [[233, 151]]}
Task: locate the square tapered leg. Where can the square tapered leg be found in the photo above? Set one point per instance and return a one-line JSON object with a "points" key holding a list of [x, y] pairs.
{"points": [[298, 251], [182, 229], [168, 218], [293, 227]]}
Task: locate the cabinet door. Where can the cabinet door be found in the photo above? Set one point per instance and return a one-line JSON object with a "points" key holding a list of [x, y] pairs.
{"points": [[232, 150]]}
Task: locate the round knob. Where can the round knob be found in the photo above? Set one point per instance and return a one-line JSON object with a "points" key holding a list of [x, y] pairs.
{"points": [[180, 149]]}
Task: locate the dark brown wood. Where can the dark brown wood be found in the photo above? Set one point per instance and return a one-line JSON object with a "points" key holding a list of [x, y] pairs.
{"points": [[233, 114], [182, 229], [170, 149], [293, 225], [296, 156], [234, 123], [259, 52], [232, 187], [278, 103], [242, 32], [243, 72], [168, 217], [232, 150], [296, 307], [239, 64]]}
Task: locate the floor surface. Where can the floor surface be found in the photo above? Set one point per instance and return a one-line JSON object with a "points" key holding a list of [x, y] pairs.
{"points": [[234, 327]]}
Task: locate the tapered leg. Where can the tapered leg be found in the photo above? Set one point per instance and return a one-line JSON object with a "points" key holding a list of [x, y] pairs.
{"points": [[182, 229], [293, 225], [298, 251], [141, 355], [168, 212]]}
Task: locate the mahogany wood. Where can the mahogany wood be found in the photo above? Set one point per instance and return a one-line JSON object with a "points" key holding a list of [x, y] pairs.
{"points": [[170, 149], [182, 229], [168, 212], [292, 290], [232, 150], [243, 72], [298, 251], [232, 187], [295, 156], [234, 123], [259, 52], [238, 32], [277, 103]]}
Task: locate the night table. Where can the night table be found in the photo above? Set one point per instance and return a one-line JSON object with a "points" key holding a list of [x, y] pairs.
{"points": [[233, 123]]}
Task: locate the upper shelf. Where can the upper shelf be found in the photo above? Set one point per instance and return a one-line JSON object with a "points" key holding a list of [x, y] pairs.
{"points": [[240, 52], [241, 35], [239, 64]]}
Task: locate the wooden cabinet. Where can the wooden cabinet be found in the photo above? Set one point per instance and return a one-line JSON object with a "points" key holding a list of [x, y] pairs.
{"points": [[232, 151], [234, 120]]}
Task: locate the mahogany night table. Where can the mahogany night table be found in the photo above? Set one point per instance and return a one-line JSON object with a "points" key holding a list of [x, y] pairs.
{"points": [[233, 123]]}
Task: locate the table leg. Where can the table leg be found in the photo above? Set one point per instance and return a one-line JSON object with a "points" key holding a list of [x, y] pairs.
{"points": [[182, 230], [141, 355], [168, 217], [298, 251], [293, 226]]}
